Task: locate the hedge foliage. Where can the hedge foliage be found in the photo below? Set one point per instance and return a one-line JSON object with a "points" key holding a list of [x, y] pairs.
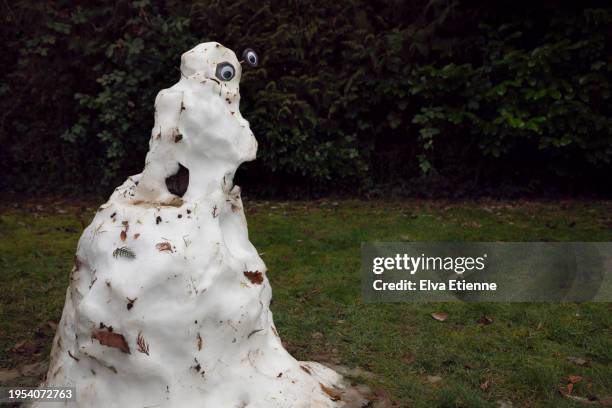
{"points": [[422, 97]]}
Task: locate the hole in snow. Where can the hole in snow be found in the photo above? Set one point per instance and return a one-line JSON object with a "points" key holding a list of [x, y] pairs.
{"points": [[177, 184]]}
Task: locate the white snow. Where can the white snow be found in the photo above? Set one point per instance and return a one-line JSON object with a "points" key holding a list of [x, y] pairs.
{"points": [[168, 304]]}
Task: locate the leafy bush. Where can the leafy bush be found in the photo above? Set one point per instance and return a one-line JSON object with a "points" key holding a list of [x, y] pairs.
{"points": [[355, 96], [551, 99]]}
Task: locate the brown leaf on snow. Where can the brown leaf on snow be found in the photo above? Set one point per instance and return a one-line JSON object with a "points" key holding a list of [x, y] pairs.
{"points": [[143, 346], [331, 393], [110, 339], [255, 277], [199, 342], [440, 316], [164, 246], [306, 369], [123, 235], [136, 236], [73, 357], [130, 303]]}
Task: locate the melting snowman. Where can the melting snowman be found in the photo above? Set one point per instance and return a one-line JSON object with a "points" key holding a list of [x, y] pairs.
{"points": [[168, 304]]}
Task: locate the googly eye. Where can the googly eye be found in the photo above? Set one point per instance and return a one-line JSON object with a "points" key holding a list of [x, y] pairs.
{"points": [[225, 71], [250, 57]]}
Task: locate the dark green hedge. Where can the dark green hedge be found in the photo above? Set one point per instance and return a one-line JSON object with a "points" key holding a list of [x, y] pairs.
{"points": [[359, 97]]}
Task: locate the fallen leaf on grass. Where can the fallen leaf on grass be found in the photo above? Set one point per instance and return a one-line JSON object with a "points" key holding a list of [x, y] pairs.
{"points": [[440, 316], [484, 320], [111, 339], [317, 335], [578, 361], [485, 385], [408, 358], [25, 347], [574, 379], [471, 224], [305, 297], [432, 379]]}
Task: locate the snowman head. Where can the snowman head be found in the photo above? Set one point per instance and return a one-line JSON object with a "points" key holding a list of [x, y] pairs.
{"points": [[212, 62], [198, 127]]}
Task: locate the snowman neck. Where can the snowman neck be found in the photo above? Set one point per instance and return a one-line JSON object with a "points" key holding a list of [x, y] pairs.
{"points": [[209, 178]]}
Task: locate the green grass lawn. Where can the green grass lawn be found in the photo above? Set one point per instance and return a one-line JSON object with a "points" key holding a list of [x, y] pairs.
{"points": [[313, 256]]}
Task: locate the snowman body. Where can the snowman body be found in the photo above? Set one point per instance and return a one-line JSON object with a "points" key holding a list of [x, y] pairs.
{"points": [[168, 303]]}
